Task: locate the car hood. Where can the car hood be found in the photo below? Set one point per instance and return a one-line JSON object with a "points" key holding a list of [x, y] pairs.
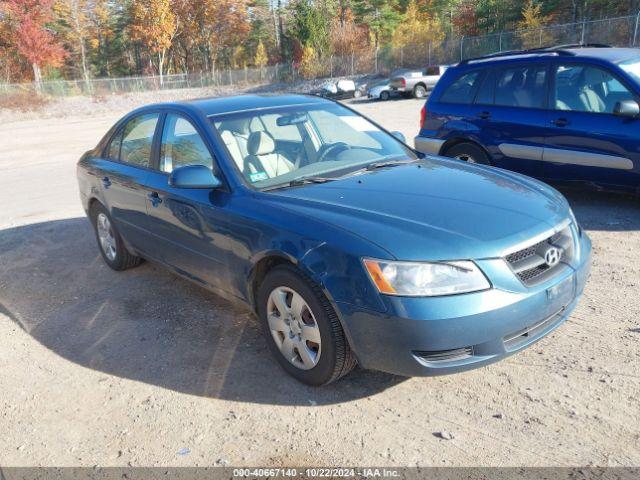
{"points": [[434, 209]]}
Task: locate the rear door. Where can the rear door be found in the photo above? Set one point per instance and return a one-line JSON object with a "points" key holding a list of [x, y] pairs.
{"points": [[188, 224], [587, 142], [123, 172], [510, 110]]}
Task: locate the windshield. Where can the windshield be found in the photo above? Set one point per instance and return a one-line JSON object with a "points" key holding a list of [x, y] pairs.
{"points": [[278, 146], [632, 67]]}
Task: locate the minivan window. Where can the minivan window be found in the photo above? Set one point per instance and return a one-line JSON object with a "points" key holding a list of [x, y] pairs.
{"points": [[586, 88], [521, 87], [461, 91], [137, 138]]}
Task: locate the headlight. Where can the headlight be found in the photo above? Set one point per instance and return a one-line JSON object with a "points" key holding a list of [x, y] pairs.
{"points": [[422, 279]]}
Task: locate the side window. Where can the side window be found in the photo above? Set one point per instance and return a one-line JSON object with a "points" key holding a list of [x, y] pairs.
{"points": [[486, 91], [461, 91], [113, 152], [182, 145], [585, 88], [432, 71], [521, 87], [137, 139]]}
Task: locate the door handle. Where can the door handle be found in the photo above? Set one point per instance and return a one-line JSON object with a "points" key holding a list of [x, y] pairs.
{"points": [[106, 182], [484, 115], [154, 198], [560, 122]]}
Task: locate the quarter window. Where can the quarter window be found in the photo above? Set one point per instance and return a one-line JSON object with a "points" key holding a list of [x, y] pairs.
{"points": [[461, 91], [182, 145], [137, 139], [584, 88], [521, 87]]}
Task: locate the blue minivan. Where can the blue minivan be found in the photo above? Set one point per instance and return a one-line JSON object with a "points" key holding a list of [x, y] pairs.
{"points": [[561, 114]]}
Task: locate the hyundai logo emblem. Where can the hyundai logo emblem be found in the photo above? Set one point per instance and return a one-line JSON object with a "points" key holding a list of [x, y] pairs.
{"points": [[552, 256]]}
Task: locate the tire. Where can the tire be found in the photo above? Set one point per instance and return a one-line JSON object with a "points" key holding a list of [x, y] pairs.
{"points": [[357, 93], [468, 152], [419, 91], [112, 249], [327, 360], [384, 96]]}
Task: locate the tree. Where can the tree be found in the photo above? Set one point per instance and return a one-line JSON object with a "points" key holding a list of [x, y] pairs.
{"points": [[261, 59], [417, 28], [466, 19], [31, 37], [380, 16], [531, 33], [154, 25], [308, 63], [74, 16], [310, 25], [347, 38]]}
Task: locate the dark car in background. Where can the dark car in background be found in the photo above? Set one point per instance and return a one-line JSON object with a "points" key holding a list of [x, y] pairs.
{"points": [[348, 245], [568, 113]]}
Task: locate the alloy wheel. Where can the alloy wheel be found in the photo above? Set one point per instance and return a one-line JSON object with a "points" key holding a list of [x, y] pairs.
{"points": [[294, 328], [105, 234]]}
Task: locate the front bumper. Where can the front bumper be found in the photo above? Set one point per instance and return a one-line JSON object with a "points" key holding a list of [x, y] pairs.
{"points": [[442, 335]]}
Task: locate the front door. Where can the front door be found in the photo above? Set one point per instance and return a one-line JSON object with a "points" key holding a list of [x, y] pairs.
{"points": [[187, 223], [587, 142]]}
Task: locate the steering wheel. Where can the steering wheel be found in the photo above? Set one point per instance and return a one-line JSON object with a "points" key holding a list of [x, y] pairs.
{"points": [[324, 151]]}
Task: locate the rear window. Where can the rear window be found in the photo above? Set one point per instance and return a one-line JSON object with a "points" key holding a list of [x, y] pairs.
{"points": [[462, 90]]}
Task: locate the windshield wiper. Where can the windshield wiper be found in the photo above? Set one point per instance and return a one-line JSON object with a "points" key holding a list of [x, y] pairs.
{"points": [[304, 180], [387, 163], [296, 182]]}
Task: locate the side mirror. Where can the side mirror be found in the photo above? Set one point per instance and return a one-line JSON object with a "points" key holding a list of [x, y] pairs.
{"points": [[626, 108], [194, 176], [400, 136]]}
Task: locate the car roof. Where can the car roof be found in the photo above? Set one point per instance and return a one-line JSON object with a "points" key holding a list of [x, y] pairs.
{"points": [[238, 103], [608, 54]]}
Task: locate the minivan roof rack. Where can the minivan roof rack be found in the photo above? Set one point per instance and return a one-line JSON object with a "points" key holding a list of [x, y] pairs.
{"points": [[556, 49]]}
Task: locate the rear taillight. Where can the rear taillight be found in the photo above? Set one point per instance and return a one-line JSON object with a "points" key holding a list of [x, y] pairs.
{"points": [[423, 115], [404, 82]]}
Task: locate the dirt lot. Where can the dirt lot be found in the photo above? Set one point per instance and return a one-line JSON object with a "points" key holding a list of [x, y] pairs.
{"points": [[143, 368]]}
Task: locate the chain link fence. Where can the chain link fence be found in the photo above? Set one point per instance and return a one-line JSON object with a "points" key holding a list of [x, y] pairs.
{"points": [[621, 31]]}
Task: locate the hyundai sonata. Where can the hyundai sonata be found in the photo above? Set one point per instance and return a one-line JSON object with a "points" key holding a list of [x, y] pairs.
{"points": [[350, 247]]}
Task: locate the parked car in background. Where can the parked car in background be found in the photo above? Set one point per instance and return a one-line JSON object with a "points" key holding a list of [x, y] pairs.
{"points": [[417, 83], [380, 91], [348, 245], [339, 90], [567, 113]]}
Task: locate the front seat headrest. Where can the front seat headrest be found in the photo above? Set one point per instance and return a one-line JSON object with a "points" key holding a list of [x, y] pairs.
{"points": [[260, 143], [238, 125]]}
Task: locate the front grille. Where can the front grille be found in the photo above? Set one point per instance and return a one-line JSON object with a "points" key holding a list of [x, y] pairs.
{"points": [[529, 263], [445, 355]]}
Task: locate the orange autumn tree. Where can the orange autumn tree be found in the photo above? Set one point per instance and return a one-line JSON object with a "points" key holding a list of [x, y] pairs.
{"points": [[154, 24], [31, 37]]}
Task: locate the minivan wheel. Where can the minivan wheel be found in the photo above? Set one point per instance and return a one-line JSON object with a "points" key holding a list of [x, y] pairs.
{"points": [[468, 152], [110, 243], [419, 91], [301, 328]]}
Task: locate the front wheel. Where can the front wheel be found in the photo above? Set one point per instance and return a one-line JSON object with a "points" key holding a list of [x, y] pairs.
{"points": [[384, 96], [302, 329], [468, 152]]}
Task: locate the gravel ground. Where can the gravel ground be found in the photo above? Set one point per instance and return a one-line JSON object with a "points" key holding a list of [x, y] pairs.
{"points": [[143, 368]]}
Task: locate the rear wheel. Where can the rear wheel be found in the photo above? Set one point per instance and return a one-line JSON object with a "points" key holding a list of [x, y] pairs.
{"points": [[384, 96], [468, 152], [302, 329], [419, 91], [112, 248]]}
